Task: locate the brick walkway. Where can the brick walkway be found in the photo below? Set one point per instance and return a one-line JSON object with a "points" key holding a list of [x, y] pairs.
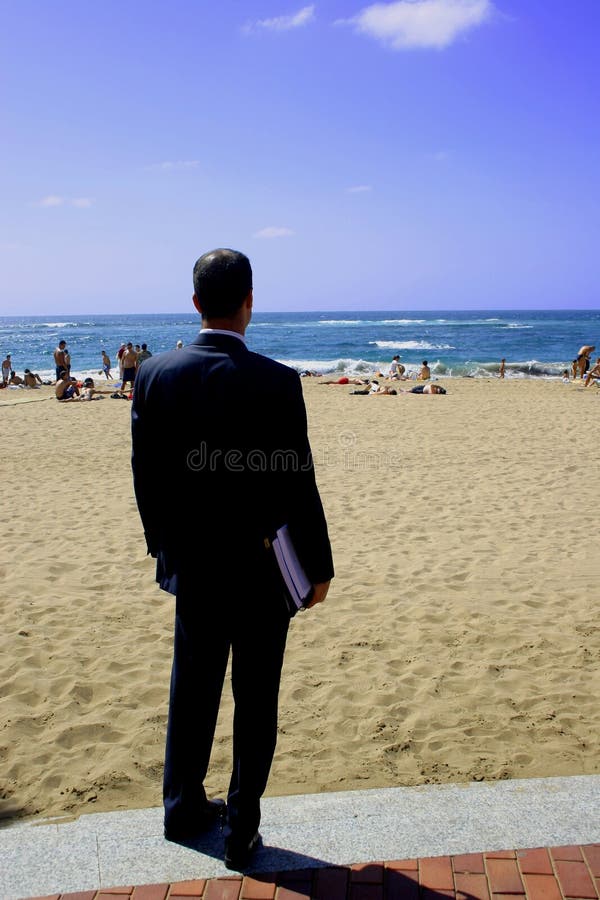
{"points": [[560, 873]]}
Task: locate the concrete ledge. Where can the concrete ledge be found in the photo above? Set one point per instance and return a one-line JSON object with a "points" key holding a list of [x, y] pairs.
{"points": [[102, 850]]}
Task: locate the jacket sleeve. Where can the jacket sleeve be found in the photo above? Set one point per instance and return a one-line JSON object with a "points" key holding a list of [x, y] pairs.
{"points": [[146, 474], [307, 524]]}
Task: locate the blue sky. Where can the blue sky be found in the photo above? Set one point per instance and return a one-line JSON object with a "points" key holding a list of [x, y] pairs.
{"points": [[421, 154]]}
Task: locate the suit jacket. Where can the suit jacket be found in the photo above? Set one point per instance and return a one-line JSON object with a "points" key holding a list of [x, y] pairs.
{"points": [[221, 459]]}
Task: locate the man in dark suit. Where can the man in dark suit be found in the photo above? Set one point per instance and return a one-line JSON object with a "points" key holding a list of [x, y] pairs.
{"points": [[221, 460]]}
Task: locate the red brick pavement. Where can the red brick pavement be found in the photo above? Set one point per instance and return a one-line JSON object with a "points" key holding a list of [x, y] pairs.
{"points": [[557, 873]]}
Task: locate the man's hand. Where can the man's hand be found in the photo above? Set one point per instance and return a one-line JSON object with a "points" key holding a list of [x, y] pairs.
{"points": [[320, 592]]}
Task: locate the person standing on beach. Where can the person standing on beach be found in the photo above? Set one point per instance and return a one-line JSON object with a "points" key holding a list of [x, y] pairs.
{"points": [[143, 354], [120, 355], [583, 358], [502, 370], [6, 368], [198, 441], [106, 364], [129, 360], [60, 359]]}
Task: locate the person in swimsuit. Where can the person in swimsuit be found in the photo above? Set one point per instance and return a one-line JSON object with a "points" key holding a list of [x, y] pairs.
{"points": [[120, 355], [91, 392], [32, 379], [129, 364], [6, 369], [66, 387], [374, 389], [593, 374], [430, 388], [345, 380], [106, 364], [60, 359], [583, 358], [425, 373]]}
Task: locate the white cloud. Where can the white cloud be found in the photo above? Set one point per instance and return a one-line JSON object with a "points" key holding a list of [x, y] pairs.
{"points": [[284, 23], [359, 189], [179, 165], [407, 24], [273, 231], [51, 200]]}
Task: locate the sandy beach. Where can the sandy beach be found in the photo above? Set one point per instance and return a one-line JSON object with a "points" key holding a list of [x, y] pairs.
{"points": [[459, 641]]}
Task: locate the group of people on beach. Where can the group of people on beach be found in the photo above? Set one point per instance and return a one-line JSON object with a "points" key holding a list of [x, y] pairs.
{"points": [[129, 357], [11, 379], [129, 360], [371, 386], [580, 368]]}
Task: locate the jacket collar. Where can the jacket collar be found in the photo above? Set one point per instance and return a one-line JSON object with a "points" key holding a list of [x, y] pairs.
{"points": [[222, 341]]}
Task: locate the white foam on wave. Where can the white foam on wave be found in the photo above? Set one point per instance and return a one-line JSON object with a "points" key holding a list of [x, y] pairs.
{"points": [[411, 345], [282, 324], [403, 322], [340, 322], [517, 325], [334, 366]]}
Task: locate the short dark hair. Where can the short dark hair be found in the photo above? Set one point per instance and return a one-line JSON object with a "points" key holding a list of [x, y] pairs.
{"points": [[222, 281], [144, 346]]}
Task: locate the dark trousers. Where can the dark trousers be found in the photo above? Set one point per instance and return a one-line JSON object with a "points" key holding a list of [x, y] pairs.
{"points": [[207, 627]]}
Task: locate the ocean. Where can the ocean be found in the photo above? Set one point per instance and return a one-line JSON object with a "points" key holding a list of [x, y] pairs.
{"points": [[536, 344]]}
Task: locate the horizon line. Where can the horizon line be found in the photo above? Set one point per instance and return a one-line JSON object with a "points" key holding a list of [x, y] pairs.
{"points": [[504, 309]]}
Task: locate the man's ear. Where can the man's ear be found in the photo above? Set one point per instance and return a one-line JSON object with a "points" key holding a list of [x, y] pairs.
{"points": [[249, 300], [197, 304]]}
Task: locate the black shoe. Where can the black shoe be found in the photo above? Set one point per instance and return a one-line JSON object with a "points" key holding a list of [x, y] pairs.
{"points": [[203, 820], [238, 853]]}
